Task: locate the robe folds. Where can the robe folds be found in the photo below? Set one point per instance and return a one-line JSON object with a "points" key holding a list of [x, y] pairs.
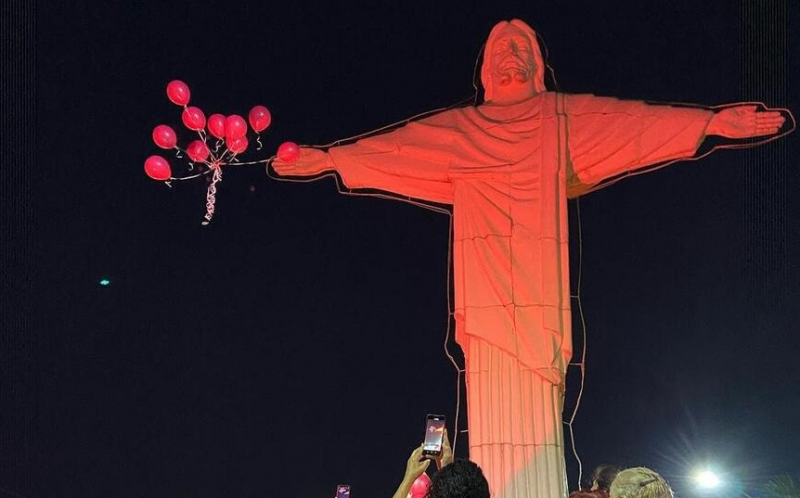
{"points": [[508, 172]]}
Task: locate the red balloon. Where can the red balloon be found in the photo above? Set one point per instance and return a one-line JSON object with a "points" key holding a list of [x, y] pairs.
{"points": [[288, 152], [198, 151], [164, 136], [157, 168], [420, 487], [237, 145], [216, 125], [235, 127], [260, 118], [178, 92], [193, 118]]}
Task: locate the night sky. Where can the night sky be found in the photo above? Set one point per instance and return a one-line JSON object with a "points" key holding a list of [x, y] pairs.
{"points": [[297, 342]]}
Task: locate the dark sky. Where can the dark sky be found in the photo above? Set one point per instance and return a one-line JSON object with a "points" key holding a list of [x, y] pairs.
{"points": [[296, 342]]}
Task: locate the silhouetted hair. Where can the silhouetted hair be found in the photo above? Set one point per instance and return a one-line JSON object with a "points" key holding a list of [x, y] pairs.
{"points": [[640, 482], [460, 479], [604, 475]]}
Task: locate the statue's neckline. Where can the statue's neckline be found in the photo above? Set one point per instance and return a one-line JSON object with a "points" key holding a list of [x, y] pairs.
{"points": [[509, 112]]}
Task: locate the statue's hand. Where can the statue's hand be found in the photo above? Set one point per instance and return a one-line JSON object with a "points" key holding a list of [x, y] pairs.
{"points": [[311, 162], [744, 122]]}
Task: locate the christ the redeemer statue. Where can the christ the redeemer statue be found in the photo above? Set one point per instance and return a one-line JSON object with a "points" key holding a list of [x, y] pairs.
{"points": [[507, 167]]}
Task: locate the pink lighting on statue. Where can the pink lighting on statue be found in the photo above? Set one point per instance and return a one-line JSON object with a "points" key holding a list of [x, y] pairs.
{"points": [[508, 168]]}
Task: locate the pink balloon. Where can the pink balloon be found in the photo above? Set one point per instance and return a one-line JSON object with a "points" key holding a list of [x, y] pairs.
{"points": [[164, 136], [216, 125], [420, 486], [193, 118], [157, 168], [198, 151], [237, 145], [260, 118], [288, 152], [235, 127], [178, 92]]}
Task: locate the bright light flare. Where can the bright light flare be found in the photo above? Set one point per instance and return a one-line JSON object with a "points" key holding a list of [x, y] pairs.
{"points": [[707, 479]]}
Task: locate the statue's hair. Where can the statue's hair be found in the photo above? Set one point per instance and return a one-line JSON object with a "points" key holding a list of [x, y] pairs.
{"points": [[486, 71], [640, 482]]}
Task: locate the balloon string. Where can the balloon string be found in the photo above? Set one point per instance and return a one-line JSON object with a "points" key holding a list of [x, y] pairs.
{"points": [[258, 140], [217, 145], [178, 153], [211, 195]]}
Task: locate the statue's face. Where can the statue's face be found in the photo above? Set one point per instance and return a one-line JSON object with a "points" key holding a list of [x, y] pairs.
{"points": [[513, 60]]}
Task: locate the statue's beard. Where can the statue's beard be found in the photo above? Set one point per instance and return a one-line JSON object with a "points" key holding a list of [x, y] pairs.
{"points": [[509, 76], [514, 71]]}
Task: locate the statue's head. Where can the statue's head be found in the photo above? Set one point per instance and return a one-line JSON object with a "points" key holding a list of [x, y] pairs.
{"points": [[512, 59]]}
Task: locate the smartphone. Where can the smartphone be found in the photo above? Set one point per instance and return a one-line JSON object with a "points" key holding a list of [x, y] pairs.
{"points": [[343, 491], [434, 434]]}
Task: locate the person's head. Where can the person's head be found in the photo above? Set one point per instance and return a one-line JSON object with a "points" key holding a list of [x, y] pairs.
{"points": [[512, 61], [640, 482], [460, 479], [603, 476]]}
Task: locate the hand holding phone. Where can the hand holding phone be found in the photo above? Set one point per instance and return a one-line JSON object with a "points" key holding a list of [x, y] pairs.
{"points": [[434, 435]]}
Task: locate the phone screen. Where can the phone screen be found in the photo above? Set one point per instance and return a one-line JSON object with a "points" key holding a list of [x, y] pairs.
{"points": [[434, 432], [343, 491]]}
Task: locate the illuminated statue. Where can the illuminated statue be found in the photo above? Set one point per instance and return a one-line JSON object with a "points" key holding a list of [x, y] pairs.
{"points": [[507, 167]]}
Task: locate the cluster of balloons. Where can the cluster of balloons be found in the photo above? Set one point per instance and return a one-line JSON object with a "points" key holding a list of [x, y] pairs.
{"points": [[230, 130]]}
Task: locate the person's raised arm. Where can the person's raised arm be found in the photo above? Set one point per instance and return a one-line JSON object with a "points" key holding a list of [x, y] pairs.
{"points": [[415, 466]]}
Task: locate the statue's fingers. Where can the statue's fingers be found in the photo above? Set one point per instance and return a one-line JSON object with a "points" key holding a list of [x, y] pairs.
{"points": [[768, 117], [776, 121], [747, 108], [761, 132]]}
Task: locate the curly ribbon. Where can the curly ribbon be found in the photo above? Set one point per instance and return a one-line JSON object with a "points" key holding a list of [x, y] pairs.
{"points": [[211, 195]]}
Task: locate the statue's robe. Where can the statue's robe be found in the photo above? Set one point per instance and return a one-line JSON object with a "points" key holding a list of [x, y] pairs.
{"points": [[508, 172]]}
